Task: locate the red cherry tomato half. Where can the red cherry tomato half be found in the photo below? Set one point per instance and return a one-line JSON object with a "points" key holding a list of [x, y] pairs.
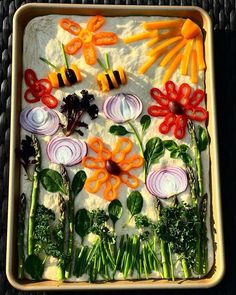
{"points": [[49, 100], [30, 77], [29, 97]]}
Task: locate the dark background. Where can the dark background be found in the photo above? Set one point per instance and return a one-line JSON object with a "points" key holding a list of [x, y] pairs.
{"points": [[223, 16]]}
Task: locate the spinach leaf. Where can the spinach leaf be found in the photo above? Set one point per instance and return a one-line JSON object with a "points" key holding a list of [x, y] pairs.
{"points": [[115, 210], [145, 122], [82, 222], [78, 182], [202, 139], [34, 267], [154, 151], [170, 145], [175, 154], [183, 148], [135, 203], [118, 130], [52, 181], [186, 159]]}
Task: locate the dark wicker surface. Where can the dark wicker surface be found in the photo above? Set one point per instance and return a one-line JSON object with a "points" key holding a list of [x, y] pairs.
{"points": [[223, 15]]}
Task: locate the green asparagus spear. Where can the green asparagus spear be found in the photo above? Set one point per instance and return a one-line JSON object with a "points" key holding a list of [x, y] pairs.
{"points": [[20, 235], [197, 155], [34, 194], [62, 207], [70, 221]]}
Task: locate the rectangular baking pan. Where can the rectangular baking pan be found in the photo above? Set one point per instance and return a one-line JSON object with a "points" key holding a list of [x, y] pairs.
{"points": [[21, 19]]}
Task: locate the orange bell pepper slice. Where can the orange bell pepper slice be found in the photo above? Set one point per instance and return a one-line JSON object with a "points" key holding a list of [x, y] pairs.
{"points": [[70, 26], [93, 163], [86, 36], [63, 75], [89, 52], [105, 38], [135, 161], [112, 185], [97, 145], [95, 23], [129, 179], [123, 147], [76, 71], [93, 183], [53, 78], [73, 46], [190, 29]]}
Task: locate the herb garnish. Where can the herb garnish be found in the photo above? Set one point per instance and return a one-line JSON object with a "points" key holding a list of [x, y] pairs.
{"points": [[74, 108], [27, 155]]}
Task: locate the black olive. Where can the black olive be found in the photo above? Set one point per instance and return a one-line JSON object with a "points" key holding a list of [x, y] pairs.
{"points": [[71, 77], [111, 86], [176, 108], [60, 80], [112, 167], [117, 76]]}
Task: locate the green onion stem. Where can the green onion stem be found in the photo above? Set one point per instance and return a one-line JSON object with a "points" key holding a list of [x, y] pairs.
{"points": [[102, 65], [164, 260], [106, 58], [171, 263], [48, 63], [185, 268], [64, 56]]}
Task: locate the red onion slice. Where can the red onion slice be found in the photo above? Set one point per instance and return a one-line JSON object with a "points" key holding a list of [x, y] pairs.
{"points": [[167, 182], [122, 107], [39, 120], [66, 150]]}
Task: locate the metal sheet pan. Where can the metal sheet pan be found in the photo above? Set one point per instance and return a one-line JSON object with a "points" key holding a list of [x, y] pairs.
{"points": [[21, 18]]}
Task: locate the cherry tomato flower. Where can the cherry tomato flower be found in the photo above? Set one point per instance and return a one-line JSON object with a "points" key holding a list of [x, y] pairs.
{"points": [[176, 106]]}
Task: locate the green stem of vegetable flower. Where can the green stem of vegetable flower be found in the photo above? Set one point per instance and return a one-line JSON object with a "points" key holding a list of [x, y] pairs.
{"points": [[197, 156], [20, 235], [64, 56], [185, 268], [139, 141], [34, 194], [164, 258], [48, 63], [106, 58], [104, 68], [70, 221], [171, 262]]}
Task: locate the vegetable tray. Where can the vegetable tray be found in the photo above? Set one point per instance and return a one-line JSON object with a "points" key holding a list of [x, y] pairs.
{"points": [[21, 19]]}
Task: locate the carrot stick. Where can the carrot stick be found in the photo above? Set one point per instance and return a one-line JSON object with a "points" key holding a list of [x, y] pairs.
{"points": [[172, 52], [140, 36], [153, 41], [186, 57], [171, 69], [171, 33], [194, 69], [143, 69], [162, 24], [200, 53], [163, 45]]}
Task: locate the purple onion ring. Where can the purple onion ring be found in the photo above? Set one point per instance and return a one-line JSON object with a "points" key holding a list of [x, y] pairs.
{"points": [[39, 120], [65, 150], [122, 107], [167, 182]]}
